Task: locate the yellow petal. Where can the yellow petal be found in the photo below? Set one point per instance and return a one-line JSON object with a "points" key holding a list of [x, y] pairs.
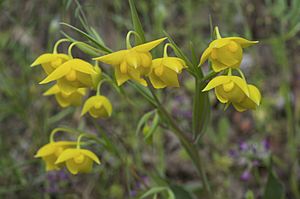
{"points": [[133, 59], [57, 73], [243, 42], [242, 84], [81, 66], [72, 167], [220, 97], [169, 77], [65, 86], [107, 105], [51, 147], [89, 103], [52, 91], [91, 155], [205, 55], [228, 58], [63, 102], [67, 155], [216, 82], [174, 64], [136, 76], [48, 57], [219, 43], [113, 58], [120, 77], [149, 45], [255, 95], [238, 107], [217, 66], [156, 82]]}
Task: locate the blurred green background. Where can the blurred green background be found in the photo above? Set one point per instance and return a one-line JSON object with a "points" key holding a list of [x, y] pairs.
{"points": [[236, 147]]}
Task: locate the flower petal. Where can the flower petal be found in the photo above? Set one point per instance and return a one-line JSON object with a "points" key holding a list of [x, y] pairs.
{"points": [[205, 55], [216, 82], [48, 57], [67, 155], [156, 82], [149, 45], [255, 95], [57, 74], [91, 155], [242, 84], [72, 167], [89, 103], [113, 58], [81, 66], [52, 91], [243, 42], [120, 77]]}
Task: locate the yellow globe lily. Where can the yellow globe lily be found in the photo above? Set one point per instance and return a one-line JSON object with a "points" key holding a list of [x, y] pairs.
{"points": [[50, 152], [72, 75], [164, 71], [251, 102], [97, 106], [235, 90], [131, 63], [225, 52], [66, 99], [50, 61], [78, 160], [228, 88]]}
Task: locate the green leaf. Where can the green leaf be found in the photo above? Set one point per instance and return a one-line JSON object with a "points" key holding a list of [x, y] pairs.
{"points": [[143, 91], [181, 193], [156, 190], [249, 195], [143, 121], [153, 127], [137, 24], [274, 188], [90, 38]]}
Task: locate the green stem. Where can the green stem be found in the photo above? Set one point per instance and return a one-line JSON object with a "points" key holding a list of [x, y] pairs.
{"points": [[128, 45], [83, 44], [88, 136], [185, 141], [57, 44], [54, 131]]}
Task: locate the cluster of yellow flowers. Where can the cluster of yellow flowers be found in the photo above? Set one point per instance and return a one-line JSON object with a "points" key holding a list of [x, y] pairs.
{"points": [[73, 78], [226, 54], [136, 62]]}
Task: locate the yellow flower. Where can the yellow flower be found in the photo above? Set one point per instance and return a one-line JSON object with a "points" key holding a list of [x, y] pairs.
{"points": [[97, 106], [131, 63], [235, 90], [50, 61], [251, 102], [78, 160], [72, 75], [164, 71], [66, 99], [50, 152], [226, 52]]}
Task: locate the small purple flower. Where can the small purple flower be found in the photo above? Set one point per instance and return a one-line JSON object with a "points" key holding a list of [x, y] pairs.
{"points": [[133, 193], [255, 163], [246, 175], [233, 153], [243, 146], [266, 144]]}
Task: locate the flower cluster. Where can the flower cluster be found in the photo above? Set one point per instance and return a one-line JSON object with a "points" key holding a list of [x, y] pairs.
{"points": [[225, 54], [57, 154], [135, 63], [73, 77]]}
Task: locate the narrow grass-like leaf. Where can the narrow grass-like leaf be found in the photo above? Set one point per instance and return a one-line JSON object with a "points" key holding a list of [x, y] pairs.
{"points": [[143, 121], [90, 38], [274, 188], [153, 127], [154, 190], [137, 24]]}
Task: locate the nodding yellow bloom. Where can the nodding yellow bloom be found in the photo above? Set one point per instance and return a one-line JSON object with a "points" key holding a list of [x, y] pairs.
{"points": [[226, 52], [51, 61], [228, 88], [97, 106], [164, 71], [235, 90], [66, 99], [251, 102], [131, 63], [78, 160], [72, 75], [50, 152]]}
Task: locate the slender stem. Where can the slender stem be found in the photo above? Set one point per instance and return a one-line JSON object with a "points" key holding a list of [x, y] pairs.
{"points": [[184, 140], [128, 45], [54, 131], [57, 44], [83, 44], [217, 32], [88, 136]]}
